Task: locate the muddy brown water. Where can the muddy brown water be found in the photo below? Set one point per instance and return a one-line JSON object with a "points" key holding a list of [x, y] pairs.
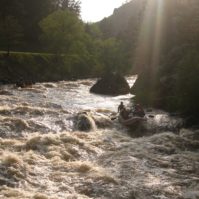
{"points": [[43, 157]]}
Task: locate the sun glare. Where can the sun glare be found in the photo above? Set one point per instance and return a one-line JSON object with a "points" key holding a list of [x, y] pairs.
{"points": [[95, 10], [150, 36]]}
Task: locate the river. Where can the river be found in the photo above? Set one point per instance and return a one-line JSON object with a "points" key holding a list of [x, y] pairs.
{"points": [[42, 155]]}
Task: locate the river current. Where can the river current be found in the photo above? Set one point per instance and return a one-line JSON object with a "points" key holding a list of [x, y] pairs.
{"points": [[43, 156]]}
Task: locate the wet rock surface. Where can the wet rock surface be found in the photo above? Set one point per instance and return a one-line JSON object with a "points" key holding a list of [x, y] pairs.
{"points": [[84, 122], [111, 84], [89, 120]]}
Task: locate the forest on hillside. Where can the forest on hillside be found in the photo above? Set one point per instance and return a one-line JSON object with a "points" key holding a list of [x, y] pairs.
{"points": [[158, 40]]}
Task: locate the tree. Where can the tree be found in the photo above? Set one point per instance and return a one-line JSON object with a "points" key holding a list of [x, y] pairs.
{"points": [[112, 56], [14, 8], [93, 30], [10, 32], [71, 5], [61, 30], [27, 13]]}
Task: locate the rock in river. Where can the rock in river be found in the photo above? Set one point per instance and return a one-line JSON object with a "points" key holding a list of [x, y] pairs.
{"points": [[84, 122], [111, 84]]}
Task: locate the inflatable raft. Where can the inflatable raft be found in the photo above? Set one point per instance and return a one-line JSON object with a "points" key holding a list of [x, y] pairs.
{"points": [[132, 121]]}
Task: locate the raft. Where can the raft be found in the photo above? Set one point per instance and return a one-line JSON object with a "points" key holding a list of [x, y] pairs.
{"points": [[132, 121]]}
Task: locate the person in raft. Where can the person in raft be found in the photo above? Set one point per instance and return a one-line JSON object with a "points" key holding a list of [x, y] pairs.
{"points": [[138, 111], [123, 111], [120, 107]]}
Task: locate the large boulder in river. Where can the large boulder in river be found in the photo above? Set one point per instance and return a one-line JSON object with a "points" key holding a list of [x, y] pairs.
{"points": [[84, 122], [88, 120], [111, 84]]}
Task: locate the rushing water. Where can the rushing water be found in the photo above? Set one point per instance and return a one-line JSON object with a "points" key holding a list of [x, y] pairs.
{"points": [[42, 156]]}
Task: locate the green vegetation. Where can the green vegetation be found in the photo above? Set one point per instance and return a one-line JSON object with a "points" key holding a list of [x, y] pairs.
{"points": [[70, 48], [163, 39], [62, 30], [10, 32], [27, 66], [181, 91], [42, 67]]}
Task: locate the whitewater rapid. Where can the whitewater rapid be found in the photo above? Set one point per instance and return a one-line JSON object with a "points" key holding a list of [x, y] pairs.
{"points": [[42, 155]]}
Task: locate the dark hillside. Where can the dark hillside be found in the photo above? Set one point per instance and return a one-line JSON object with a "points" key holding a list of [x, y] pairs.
{"points": [[118, 23], [161, 38]]}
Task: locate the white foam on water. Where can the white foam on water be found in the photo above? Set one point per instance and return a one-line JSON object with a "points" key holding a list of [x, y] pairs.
{"points": [[43, 157]]}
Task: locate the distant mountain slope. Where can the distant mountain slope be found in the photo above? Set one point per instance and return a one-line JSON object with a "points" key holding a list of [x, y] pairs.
{"points": [[122, 17]]}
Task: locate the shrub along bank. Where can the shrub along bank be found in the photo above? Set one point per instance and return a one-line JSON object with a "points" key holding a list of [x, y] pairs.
{"points": [[175, 85], [38, 67]]}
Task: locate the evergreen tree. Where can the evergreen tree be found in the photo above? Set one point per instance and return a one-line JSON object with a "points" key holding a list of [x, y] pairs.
{"points": [[11, 32]]}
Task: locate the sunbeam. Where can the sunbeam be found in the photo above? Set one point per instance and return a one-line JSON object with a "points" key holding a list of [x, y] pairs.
{"points": [[150, 36]]}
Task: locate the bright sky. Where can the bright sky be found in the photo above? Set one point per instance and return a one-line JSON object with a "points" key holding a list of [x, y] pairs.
{"points": [[95, 10]]}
